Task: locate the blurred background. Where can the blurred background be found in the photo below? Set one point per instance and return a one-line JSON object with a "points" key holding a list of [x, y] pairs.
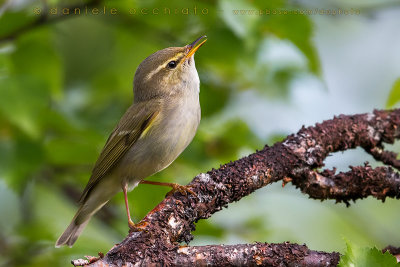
{"points": [[268, 68]]}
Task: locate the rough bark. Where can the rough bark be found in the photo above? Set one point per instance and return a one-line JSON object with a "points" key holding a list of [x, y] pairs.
{"points": [[259, 254], [295, 160]]}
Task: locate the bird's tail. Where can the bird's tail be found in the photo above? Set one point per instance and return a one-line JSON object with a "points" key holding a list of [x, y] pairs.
{"points": [[75, 228]]}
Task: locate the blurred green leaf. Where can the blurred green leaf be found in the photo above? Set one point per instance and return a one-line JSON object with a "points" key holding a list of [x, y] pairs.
{"points": [[219, 142], [205, 228], [12, 21], [67, 152], [366, 257], [394, 95], [25, 158], [297, 29], [241, 25], [36, 56], [82, 45], [22, 101], [213, 99]]}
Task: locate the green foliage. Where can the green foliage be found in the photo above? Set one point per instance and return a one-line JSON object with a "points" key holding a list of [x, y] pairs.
{"points": [[366, 257], [394, 96], [12, 21]]}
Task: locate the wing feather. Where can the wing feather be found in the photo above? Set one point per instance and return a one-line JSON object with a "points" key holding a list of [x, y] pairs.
{"points": [[136, 120]]}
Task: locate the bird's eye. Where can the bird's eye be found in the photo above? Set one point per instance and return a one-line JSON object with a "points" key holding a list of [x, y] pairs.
{"points": [[172, 64]]}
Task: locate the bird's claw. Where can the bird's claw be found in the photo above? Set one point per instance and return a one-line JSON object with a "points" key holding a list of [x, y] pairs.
{"points": [[183, 189], [137, 227]]}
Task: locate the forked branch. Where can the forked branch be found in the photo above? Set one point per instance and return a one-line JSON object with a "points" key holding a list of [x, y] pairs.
{"points": [[296, 159]]}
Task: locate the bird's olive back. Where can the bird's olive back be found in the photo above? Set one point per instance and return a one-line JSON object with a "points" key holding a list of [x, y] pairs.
{"points": [[161, 74]]}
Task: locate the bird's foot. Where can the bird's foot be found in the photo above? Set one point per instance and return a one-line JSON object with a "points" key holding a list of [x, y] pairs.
{"points": [[137, 227], [183, 189]]}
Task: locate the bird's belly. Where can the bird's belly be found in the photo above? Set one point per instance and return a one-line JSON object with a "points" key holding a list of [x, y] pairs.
{"points": [[160, 146]]}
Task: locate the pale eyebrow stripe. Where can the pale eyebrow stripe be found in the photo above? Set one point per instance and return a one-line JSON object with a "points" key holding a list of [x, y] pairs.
{"points": [[154, 72]]}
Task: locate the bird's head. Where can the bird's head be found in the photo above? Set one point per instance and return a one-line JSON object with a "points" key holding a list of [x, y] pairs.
{"points": [[170, 71]]}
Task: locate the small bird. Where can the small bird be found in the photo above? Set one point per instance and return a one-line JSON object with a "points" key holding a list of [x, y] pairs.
{"points": [[152, 133]]}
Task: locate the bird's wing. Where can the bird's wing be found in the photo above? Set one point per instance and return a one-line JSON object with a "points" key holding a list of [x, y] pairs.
{"points": [[136, 121]]}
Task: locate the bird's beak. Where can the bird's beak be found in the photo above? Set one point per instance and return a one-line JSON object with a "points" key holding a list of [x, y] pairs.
{"points": [[195, 45]]}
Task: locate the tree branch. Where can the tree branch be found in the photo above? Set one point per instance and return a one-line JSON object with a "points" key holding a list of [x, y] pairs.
{"points": [[387, 157], [261, 254], [358, 183], [44, 18], [258, 254], [295, 159]]}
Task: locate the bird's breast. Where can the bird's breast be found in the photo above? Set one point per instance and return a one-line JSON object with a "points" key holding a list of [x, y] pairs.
{"points": [[171, 132]]}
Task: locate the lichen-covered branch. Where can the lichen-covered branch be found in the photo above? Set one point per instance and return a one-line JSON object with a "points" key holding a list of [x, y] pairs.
{"points": [[358, 183], [259, 254], [295, 159], [387, 157]]}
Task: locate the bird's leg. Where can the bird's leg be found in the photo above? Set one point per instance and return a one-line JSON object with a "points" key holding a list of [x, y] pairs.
{"points": [[132, 226], [125, 189], [183, 189]]}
